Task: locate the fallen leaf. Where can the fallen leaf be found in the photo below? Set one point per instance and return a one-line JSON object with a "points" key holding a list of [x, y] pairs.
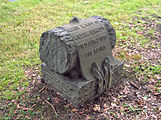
{"points": [[126, 91], [88, 117], [15, 111], [25, 109], [56, 100], [156, 93], [106, 109], [27, 116], [113, 104], [140, 32], [74, 109], [18, 106], [105, 105], [124, 34], [96, 108], [66, 105], [139, 101], [81, 112], [158, 77]]}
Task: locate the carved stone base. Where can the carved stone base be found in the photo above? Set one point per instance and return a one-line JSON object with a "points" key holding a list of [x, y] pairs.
{"points": [[77, 91]]}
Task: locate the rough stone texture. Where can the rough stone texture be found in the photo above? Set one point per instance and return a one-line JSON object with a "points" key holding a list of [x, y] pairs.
{"points": [[77, 91], [61, 68], [58, 50]]}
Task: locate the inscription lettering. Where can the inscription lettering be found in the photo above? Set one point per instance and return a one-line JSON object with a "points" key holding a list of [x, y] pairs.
{"points": [[88, 54], [95, 51], [99, 49], [96, 30], [92, 42], [87, 24], [73, 29], [81, 35], [87, 33]]}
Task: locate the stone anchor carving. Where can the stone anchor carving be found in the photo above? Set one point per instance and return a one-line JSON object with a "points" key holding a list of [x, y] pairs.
{"points": [[77, 59]]}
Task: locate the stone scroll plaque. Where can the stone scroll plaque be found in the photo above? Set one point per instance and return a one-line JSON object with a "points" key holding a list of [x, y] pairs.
{"points": [[77, 59], [92, 43]]}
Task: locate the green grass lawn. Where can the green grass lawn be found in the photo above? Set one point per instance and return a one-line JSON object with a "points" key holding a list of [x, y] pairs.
{"points": [[22, 22]]}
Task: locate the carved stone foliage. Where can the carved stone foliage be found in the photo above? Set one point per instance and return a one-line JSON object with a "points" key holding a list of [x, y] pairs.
{"points": [[103, 75]]}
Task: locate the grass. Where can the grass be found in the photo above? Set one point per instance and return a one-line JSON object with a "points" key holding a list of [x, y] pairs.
{"points": [[22, 22]]}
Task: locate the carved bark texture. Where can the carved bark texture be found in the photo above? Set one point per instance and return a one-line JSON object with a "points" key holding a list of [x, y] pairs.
{"points": [[58, 50]]}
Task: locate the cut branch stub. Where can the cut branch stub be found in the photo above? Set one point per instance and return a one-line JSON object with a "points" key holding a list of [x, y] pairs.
{"points": [[57, 50]]}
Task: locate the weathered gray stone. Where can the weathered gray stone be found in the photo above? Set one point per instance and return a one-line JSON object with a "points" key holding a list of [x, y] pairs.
{"points": [[77, 59], [58, 49], [78, 90]]}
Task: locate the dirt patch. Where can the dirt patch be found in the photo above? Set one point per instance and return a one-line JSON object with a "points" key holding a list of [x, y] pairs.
{"points": [[128, 100]]}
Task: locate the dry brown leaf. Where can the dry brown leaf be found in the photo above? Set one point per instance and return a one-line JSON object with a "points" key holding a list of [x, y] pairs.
{"points": [[56, 100], [15, 111], [97, 108], [126, 90], [124, 34], [105, 105], [105, 110], [87, 117], [67, 105], [113, 105], [156, 93], [140, 32], [74, 110], [158, 77], [26, 109], [18, 106]]}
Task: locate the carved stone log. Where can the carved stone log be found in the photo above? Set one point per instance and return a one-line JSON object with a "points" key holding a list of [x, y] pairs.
{"points": [[77, 59], [58, 49]]}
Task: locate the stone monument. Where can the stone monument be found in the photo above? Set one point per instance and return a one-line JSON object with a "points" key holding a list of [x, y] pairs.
{"points": [[77, 59]]}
